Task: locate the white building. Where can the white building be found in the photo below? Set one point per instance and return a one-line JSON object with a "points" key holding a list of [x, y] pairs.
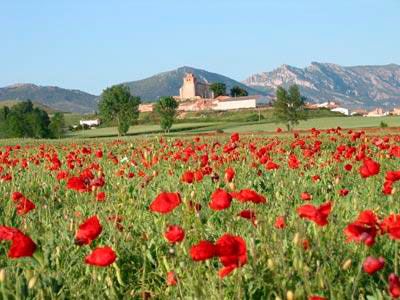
{"points": [[90, 123], [240, 103], [342, 110]]}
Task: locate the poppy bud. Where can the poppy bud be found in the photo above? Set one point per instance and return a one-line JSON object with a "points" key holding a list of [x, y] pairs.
{"points": [[109, 281], [289, 295], [296, 238], [346, 264], [32, 282], [2, 275], [192, 194], [270, 264]]}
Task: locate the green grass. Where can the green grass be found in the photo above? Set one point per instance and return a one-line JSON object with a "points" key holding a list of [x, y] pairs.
{"points": [[265, 125]]}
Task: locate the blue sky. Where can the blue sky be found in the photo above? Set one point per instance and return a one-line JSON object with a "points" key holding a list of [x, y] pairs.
{"points": [[92, 44]]}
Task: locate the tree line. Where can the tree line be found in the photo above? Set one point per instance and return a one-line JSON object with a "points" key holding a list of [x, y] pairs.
{"points": [[23, 120]]}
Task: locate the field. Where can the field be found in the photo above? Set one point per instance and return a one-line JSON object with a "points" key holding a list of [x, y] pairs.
{"points": [[249, 127], [227, 216]]}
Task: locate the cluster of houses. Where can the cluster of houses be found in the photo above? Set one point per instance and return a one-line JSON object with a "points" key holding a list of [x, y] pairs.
{"points": [[197, 96], [335, 107]]}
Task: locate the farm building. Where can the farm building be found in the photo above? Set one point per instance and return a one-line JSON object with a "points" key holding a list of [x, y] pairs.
{"points": [[231, 103], [342, 110], [90, 123]]}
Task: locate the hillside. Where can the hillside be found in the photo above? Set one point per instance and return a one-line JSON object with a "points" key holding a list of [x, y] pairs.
{"points": [[51, 96], [358, 86], [168, 83], [11, 103]]}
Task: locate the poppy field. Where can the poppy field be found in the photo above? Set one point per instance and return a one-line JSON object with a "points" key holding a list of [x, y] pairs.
{"points": [[310, 215]]}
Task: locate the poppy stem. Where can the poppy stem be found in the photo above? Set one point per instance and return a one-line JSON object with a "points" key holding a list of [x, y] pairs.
{"points": [[396, 257]]}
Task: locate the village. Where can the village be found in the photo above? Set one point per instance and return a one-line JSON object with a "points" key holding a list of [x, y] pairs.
{"points": [[196, 96]]}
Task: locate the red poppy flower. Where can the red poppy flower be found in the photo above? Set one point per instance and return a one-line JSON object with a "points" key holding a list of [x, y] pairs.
{"points": [[101, 257], [171, 279], [364, 229], [249, 215], [391, 225], [348, 167], [344, 192], [174, 234], [394, 286], [319, 215], [88, 231], [280, 222], [235, 137], [202, 251], [313, 297], [220, 200], [77, 184], [232, 252], [101, 197], [249, 196], [270, 165], [16, 196], [198, 175], [369, 168], [24, 206], [229, 174], [188, 177], [21, 245], [165, 202], [293, 162], [372, 264], [306, 196], [316, 178]]}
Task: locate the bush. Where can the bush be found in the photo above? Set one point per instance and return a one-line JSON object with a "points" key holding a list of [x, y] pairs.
{"points": [[383, 125]]}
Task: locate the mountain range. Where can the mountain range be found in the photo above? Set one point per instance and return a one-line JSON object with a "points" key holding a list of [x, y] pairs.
{"points": [[354, 87], [54, 97]]}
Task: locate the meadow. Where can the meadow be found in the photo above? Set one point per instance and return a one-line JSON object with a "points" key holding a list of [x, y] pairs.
{"points": [[189, 126], [307, 215]]}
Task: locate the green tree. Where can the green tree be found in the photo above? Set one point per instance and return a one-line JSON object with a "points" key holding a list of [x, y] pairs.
{"points": [[37, 122], [218, 88], [57, 125], [237, 91], [117, 104], [166, 108], [289, 107]]}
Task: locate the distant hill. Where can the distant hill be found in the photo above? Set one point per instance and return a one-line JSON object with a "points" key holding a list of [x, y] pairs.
{"points": [[358, 86], [169, 83], [11, 103], [54, 97]]}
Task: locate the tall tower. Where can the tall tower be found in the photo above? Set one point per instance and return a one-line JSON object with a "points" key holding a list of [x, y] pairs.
{"points": [[188, 89]]}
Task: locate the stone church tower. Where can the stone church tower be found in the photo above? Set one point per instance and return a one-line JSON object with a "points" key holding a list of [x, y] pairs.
{"points": [[193, 89]]}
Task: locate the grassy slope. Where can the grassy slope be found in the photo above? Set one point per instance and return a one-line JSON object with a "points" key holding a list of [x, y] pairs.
{"points": [[194, 128]]}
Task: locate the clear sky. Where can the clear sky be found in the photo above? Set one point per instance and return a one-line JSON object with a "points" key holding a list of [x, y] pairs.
{"points": [[92, 44]]}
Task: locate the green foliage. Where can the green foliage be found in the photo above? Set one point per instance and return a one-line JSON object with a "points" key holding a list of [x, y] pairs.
{"points": [[383, 125], [166, 108], [289, 107], [117, 104], [57, 125], [23, 120], [237, 91], [218, 88]]}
